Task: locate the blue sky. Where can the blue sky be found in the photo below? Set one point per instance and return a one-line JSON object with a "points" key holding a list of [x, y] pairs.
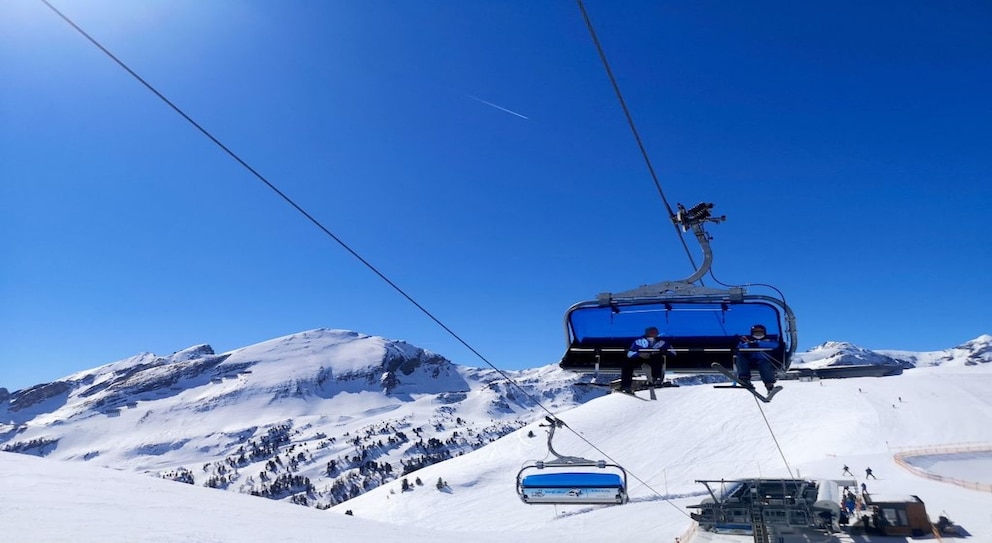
{"points": [[849, 145]]}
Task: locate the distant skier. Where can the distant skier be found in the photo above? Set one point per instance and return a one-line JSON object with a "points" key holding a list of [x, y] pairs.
{"points": [[635, 357], [864, 488], [749, 357], [868, 474], [847, 471]]}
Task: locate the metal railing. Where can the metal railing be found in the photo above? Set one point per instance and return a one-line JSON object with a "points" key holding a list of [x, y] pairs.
{"points": [[902, 457]]}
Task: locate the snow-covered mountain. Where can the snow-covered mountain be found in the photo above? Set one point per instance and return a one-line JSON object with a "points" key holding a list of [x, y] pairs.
{"points": [[317, 417], [971, 353], [698, 432], [690, 433], [836, 353]]}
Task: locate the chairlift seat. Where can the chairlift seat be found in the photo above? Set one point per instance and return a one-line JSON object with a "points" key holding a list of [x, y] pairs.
{"points": [[573, 488], [702, 329], [693, 354], [568, 480]]}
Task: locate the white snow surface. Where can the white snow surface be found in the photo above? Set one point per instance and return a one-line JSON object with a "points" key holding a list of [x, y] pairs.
{"points": [[690, 433], [838, 353], [967, 466], [976, 351], [149, 413]]}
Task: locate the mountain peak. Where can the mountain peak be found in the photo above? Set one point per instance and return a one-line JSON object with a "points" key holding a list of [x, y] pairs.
{"points": [[323, 408], [841, 353], [836, 345], [981, 342], [340, 410], [192, 353]]}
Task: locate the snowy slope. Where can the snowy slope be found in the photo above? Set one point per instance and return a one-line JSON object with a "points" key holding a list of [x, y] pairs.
{"points": [[53, 502], [704, 433], [971, 353], [314, 417], [836, 353], [839, 353], [690, 433]]}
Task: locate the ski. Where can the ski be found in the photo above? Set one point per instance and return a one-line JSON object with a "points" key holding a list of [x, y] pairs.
{"points": [[650, 376], [631, 394], [771, 393], [613, 389], [750, 388], [639, 385]]}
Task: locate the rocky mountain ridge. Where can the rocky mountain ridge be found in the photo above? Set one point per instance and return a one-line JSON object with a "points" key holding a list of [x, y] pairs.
{"points": [[317, 417]]}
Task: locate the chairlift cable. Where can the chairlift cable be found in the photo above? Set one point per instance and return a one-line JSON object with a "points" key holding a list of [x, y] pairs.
{"points": [[774, 438], [296, 206], [766, 285], [790, 321], [320, 226], [632, 474], [788, 468], [633, 129], [671, 213], [760, 408], [330, 234]]}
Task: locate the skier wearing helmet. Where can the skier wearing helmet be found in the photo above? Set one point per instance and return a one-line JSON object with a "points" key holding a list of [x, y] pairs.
{"points": [[654, 358], [751, 355]]}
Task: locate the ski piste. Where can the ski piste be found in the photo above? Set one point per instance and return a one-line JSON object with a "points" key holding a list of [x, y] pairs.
{"points": [[748, 387], [632, 395]]}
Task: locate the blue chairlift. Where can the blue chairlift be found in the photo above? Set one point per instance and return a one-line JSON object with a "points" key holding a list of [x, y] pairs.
{"points": [[577, 484], [702, 324]]}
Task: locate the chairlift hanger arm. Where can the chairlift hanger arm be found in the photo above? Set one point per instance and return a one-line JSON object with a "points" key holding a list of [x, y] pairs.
{"points": [[672, 290], [560, 459], [567, 488], [693, 219]]}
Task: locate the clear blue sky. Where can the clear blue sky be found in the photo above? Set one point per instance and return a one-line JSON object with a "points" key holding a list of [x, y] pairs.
{"points": [[849, 144]]}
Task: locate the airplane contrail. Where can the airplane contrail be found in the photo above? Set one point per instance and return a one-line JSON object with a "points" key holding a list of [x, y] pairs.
{"points": [[497, 107]]}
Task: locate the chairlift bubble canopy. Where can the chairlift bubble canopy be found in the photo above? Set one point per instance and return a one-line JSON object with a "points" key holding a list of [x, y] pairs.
{"points": [[703, 325], [567, 488], [568, 480]]}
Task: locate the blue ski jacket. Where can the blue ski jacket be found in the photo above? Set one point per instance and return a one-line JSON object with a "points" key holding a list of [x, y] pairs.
{"points": [[645, 343], [748, 342]]}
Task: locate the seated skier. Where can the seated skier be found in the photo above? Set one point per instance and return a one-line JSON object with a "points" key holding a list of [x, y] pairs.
{"points": [[746, 360], [635, 357]]}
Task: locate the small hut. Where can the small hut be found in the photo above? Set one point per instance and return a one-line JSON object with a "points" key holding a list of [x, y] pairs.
{"points": [[894, 515]]}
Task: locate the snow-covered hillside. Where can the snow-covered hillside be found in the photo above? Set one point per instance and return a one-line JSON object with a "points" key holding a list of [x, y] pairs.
{"points": [[970, 353], [690, 433], [838, 353], [315, 417], [321, 417], [700, 432], [62, 502], [835, 353]]}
